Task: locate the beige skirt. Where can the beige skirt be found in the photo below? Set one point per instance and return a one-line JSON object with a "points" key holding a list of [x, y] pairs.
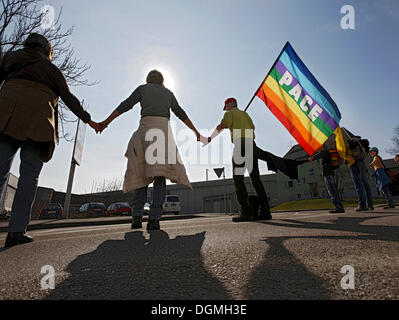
{"points": [[151, 153]]}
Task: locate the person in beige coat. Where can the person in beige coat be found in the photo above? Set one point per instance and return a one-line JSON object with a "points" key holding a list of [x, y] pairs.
{"points": [[31, 87], [152, 153]]}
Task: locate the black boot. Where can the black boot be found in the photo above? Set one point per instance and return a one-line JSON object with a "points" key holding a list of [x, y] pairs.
{"points": [[264, 215], [17, 238], [153, 225], [245, 216], [137, 223]]}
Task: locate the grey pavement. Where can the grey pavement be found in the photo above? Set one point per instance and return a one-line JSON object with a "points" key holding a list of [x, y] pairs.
{"points": [[295, 256]]}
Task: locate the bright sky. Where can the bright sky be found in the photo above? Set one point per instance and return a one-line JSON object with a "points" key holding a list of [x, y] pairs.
{"points": [[211, 50]]}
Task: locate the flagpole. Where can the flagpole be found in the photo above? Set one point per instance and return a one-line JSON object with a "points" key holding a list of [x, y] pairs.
{"points": [[271, 69], [253, 98]]}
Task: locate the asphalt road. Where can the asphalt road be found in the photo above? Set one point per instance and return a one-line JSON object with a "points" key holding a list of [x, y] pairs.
{"points": [[295, 256]]}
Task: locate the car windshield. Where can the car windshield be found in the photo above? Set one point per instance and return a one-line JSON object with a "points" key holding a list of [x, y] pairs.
{"points": [[123, 205], [172, 199]]}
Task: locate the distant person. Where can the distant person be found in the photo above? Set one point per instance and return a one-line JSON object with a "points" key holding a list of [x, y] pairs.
{"points": [[246, 156], [31, 87], [146, 167], [358, 170], [381, 177], [330, 162]]}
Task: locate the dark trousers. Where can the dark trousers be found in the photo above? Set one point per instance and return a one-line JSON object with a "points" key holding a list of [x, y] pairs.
{"points": [[362, 186], [246, 158], [386, 192], [158, 199], [31, 166], [333, 191]]}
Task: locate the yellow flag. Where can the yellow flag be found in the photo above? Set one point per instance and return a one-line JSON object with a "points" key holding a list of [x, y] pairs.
{"points": [[342, 148]]}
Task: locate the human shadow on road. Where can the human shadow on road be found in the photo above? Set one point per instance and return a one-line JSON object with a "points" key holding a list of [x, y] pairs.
{"points": [[347, 224], [282, 276], [139, 269]]}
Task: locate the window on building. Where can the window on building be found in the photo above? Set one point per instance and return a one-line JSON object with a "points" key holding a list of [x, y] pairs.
{"points": [[311, 172], [290, 184], [299, 196]]}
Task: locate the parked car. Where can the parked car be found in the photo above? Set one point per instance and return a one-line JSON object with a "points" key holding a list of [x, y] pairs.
{"points": [[51, 211], [94, 209], [119, 209], [172, 205]]}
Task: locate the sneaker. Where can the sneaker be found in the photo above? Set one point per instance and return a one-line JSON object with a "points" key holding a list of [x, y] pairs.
{"points": [[371, 208], [337, 211], [153, 225], [389, 207], [137, 223], [361, 209], [17, 238]]}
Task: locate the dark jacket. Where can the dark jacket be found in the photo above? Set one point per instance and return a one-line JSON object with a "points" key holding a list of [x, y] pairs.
{"points": [[325, 158], [29, 99]]}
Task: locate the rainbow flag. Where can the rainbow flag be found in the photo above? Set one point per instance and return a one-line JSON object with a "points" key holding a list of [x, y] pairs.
{"points": [[298, 100]]}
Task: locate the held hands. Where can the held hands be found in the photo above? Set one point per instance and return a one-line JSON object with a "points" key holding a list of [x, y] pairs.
{"points": [[201, 139], [205, 141], [98, 127], [95, 126], [104, 125]]}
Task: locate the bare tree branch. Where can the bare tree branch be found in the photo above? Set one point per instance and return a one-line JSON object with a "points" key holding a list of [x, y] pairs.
{"points": [[18, 19], [395, 140]]}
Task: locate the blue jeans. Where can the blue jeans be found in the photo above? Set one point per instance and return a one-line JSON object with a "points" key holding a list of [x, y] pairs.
{"points": [[333, 191], [359, 176], [31, 166], [158, 199]]}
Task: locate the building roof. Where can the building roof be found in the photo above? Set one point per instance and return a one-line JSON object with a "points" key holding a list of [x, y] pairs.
{"points": [[296, 153]]}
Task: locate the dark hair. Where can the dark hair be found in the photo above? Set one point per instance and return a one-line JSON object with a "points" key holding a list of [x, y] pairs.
{"points": [[40, 43], [155, 77]]}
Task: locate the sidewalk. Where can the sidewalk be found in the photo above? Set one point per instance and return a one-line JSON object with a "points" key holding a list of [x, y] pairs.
{"points": [[70, 223]]}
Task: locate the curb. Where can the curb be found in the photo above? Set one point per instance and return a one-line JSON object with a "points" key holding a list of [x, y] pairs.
{"points": [[57, 224]]}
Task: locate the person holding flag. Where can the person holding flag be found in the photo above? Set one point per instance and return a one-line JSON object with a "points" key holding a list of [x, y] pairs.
{"points": [[351, 149], [245, 157], [329, 165]]}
